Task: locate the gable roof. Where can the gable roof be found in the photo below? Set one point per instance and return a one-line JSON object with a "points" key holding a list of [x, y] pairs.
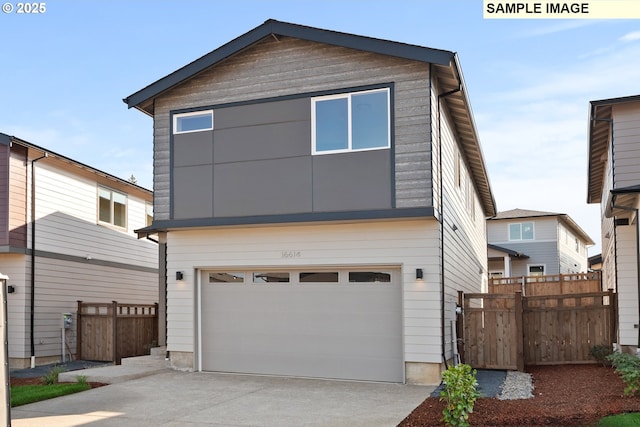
{"points": [[522, 213], [9, 140], [445, 65], [271, 27], [600, 122], [525, 213]]}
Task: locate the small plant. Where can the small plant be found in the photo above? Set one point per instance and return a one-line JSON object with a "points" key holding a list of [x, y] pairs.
{"points": [[82, 379], [52, 376], [628, 367], [600, 353], [459, 393]]}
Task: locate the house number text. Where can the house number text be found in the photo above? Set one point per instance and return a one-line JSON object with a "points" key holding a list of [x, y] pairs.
{"points": [[291, 254]]}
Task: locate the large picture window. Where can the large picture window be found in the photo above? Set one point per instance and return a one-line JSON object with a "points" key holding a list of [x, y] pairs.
{"points": [[112, 207], [351, 122]]}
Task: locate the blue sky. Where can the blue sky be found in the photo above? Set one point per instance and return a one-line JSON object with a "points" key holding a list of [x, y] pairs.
{"points": [[64, 73]]}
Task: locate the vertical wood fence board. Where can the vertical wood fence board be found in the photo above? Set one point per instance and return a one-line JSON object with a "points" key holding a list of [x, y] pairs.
{"points": [[113, 331], [549, 329]]}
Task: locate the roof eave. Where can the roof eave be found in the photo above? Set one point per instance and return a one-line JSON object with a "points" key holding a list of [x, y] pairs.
{"points": [[277, 28]]}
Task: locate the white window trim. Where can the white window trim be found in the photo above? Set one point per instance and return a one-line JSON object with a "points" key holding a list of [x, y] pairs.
{"points": [[126, 208], [533, 227], [544, 268], [193, 113], [349, 148]]}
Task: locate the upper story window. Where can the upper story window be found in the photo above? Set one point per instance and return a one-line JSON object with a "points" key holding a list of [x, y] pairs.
{"points": [[351, 122], [112, 207], [149, 214], [521, 231], [196, 121]]}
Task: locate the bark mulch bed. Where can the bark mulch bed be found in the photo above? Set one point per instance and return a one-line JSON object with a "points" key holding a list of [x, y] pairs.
{"points": [[565, 395], [13, 381]]}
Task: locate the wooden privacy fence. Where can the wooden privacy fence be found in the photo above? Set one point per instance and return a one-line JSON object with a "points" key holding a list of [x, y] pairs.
{"points": [[509, 331], [111, 331], [557, 284]]}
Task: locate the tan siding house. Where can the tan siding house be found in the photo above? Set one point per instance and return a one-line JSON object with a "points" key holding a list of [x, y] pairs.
{"points": [[614, 183], [306, 193], [67, 242]]}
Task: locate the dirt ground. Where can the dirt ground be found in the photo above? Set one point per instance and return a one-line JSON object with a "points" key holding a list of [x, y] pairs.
{"points": [[34, 381], [567, 395]]}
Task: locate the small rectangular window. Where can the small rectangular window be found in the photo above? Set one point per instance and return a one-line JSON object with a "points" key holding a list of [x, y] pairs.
{"points": [[319, 277], [224, 277], [369, 277], [351, 122], [536, 270], [112, 207], [193, 122], [271, 277]]}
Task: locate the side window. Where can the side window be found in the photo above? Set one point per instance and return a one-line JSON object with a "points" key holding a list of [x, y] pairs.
{"points": [[149, 214], [193, 122], [112, 207], [351, 122], [536, 270]]}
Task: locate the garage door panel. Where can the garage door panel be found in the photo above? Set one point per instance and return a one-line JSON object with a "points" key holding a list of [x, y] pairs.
{"points": [[343, 331]]}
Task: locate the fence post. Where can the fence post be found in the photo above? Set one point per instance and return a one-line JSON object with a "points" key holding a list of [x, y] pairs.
{"points": [[519, 332], [114, 331], [460, 326], [79, 331]]}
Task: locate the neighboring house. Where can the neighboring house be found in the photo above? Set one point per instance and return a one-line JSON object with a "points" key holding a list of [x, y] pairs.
{"points": [[85, 247], [595, 262], [322, 197], [614, 182], [534, 243]]}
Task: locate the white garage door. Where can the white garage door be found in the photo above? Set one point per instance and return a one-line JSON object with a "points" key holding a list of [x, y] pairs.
{"points": [[342, 323]]}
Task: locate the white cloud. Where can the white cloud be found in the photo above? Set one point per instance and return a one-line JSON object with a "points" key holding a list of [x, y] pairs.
{"points": [[630, 37]]}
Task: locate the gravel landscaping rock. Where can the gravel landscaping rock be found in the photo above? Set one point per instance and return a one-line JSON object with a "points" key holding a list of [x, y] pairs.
{"points": [[517, 385]]}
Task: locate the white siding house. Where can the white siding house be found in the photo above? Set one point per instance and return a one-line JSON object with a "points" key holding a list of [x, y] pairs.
{"points": [[293, 253], [614, 183], [65, 242]]}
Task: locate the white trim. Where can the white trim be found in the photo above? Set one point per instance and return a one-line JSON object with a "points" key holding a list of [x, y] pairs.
{"points": [[348, 96], [193, 113], [198, 274]]}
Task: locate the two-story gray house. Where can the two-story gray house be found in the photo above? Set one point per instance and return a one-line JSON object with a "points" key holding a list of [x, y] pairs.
{"points": [[614, 183], [524, 242], [321, 198]]}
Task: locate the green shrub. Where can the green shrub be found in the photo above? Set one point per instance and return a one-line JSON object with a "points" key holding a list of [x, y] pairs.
{"points": [[600, 353], [52, 376], [459, 393], [628, 367]]}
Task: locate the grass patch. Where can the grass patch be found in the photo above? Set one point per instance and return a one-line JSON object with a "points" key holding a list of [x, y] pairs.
{"points": [[21, 395], [622, 420]]}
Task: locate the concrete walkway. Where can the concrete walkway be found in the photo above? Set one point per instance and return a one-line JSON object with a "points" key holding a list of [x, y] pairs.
{"points": [[173, 398]]}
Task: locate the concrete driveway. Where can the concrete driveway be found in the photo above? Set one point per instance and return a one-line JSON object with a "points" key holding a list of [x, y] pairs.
{"points": [[173, 398]]}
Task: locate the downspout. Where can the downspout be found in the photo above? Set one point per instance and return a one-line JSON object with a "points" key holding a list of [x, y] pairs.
{"points": [[441, 223], [33, 260], [630, 209]]}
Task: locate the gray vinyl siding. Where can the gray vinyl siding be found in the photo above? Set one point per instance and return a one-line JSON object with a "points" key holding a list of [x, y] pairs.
{"points": [[18, 218], [288, 67], [626, 146], [545, 249]]}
